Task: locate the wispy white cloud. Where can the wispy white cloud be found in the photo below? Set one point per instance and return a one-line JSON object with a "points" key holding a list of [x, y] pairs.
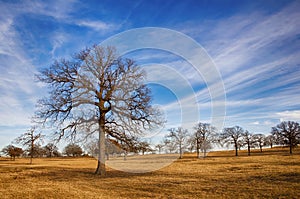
{"points": [[293, 115], [60, 10], [244, 36], [261, 76], [273, 70], [57, 40], [18, 90], [255, 123], [96, 25]]}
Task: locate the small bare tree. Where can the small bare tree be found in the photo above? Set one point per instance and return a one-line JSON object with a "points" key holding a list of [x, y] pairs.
{"points": [[170, 146], [248, 140], [29, 140], [259, 140], [12, 151], [270, 140], [288, 133], [178, 137], [159, 147], [143, 147], [73, 150], [51, 150], [233, 136], [203, 137], [97, 92]]}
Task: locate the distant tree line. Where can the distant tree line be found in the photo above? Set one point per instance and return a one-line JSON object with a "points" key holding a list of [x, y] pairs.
{"points": [[205, 136], [33, 149], [49, 150], [118, 148], [178, 140]]}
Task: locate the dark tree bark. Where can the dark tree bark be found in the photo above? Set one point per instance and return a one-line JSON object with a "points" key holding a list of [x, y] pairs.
{"points": [[236, 149]]}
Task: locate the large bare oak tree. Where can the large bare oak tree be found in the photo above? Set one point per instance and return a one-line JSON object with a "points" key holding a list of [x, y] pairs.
{"points": [[98, 92]]}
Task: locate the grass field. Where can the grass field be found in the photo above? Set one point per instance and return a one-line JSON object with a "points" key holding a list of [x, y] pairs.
{"points": [[271, 174]]}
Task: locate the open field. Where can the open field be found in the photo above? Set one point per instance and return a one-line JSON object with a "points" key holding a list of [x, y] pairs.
{"points": [[271, 174]]}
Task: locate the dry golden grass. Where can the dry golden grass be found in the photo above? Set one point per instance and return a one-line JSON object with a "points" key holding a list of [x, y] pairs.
{"points": [[271, 174]]}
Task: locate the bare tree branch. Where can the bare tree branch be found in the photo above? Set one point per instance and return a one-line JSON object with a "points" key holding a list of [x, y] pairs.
{"points": [[97, 91]]}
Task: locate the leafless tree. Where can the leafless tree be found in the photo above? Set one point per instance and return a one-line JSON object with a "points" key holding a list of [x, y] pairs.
{"points": [[51, 150], [233, 136], [170, 147], [97, 92], [73, 150], [159, 147], [270, 140], [12, 151], [259, 140], [30, 139], [143, 147], [203, 137], [38, 151], [288, 133], [248, 140], [178, 137]]}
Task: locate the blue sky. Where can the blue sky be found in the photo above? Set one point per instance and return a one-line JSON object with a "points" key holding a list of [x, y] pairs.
{"points": [[255, 46]]}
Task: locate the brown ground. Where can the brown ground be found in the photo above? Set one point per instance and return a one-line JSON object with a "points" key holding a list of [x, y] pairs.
{"points": [[271, 174]]}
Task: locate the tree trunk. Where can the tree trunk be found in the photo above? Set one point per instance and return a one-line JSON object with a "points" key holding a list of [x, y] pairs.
{"points": [[180, 151], [291, 148], [198, 148], [260, 148], [101, 147], [31, 151], [236, 149], [248, 150], [204, 147]]}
